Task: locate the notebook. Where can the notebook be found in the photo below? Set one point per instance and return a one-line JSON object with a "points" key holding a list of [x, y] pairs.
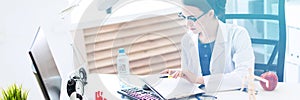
{"points": [[170, 88]]}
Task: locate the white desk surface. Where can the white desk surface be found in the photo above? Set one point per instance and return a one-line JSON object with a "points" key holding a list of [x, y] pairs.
{"points": [[109, 85]]}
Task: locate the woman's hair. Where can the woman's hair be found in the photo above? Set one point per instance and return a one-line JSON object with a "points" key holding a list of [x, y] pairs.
{"points": [[205, 5]]}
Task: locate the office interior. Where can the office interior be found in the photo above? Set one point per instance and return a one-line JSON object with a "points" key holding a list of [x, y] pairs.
{"points": [[88, 33]]}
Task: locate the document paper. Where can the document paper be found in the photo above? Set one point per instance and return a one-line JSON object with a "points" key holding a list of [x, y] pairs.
{"points": [[171, 88]]}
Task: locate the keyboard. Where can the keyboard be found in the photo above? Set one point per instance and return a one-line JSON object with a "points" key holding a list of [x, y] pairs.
{"points": [[138, 94]]}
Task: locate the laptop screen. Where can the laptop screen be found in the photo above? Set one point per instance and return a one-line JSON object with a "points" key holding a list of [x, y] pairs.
{"points": [[45, 69]]}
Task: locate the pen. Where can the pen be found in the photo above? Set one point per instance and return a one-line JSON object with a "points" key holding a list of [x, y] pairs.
{"points": [[198, 96], [166, 77], [201, 86], [246, 90]]}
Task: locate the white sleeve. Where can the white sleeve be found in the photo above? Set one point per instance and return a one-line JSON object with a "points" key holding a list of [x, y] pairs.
{"points": [[184, 59], [243, 59]]}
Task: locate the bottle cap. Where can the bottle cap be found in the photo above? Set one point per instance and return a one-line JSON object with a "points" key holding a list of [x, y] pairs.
{"points": [[121, 50]]}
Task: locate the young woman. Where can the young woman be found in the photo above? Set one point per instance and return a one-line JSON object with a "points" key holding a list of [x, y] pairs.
{"points": [[213, 53]]}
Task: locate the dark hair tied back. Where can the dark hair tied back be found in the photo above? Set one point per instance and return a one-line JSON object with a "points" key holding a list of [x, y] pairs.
{"points": [[219, 8]]}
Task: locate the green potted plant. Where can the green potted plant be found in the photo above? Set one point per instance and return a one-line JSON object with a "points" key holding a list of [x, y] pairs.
{"points": [[14, 92]]}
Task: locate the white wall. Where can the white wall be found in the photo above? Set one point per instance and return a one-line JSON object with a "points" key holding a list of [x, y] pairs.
{"points": [[292, 65], [19, 21]]}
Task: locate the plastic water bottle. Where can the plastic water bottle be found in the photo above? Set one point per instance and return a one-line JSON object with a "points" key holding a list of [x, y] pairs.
{"points": [[123, 67]]}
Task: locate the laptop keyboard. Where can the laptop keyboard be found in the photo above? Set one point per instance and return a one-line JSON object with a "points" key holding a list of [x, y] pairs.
{"points": [[138, 94]]}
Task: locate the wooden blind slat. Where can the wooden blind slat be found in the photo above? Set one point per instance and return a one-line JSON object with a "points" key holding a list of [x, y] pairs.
{"points": [[150, 37], [138, 47], [123, 33], [135, 23]]}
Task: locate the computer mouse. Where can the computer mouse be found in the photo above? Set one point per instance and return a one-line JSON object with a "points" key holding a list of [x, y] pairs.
{"points": [[145, 87]]}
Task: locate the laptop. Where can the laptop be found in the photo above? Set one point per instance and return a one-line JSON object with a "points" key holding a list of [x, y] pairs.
{"points": [[44, 67], [170, 88]]}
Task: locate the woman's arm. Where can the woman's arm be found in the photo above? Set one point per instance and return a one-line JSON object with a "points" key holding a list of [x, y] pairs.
{"points": [[243, 59], [185, 71]]}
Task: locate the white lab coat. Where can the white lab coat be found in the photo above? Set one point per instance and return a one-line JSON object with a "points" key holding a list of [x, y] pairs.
{"points": [[231, 57]]}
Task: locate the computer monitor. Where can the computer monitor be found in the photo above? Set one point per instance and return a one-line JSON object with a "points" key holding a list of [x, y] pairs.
{"points": [[45, 69]]}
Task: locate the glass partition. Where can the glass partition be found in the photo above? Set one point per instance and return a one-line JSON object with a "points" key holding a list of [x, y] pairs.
{"points": [[252, 7], [258, 28]]}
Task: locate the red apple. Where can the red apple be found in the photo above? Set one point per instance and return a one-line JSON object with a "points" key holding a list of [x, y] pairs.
{"points": [[272, 78]]}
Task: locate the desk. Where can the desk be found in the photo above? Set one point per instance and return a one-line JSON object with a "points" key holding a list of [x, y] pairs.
{"points": [[109, 85], [283, 91]]}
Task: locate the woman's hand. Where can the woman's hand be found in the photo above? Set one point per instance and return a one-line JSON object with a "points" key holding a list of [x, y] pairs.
{"points": [[186, 74], [173, 72]]}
